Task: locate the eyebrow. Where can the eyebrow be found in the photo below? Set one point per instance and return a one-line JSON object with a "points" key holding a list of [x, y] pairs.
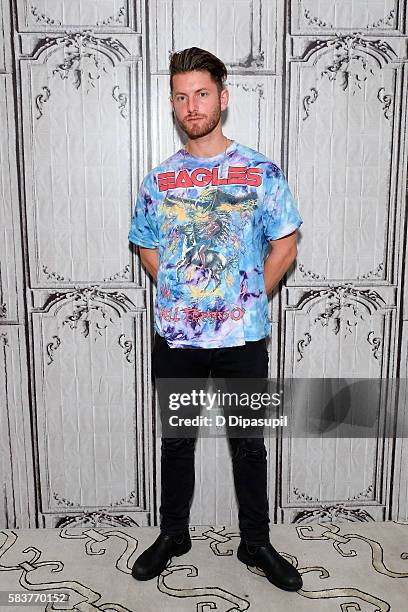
{"points": [[178, 93]]}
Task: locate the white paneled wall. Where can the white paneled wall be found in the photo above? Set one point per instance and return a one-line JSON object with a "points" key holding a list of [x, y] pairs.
{"points": [[318, 86]]}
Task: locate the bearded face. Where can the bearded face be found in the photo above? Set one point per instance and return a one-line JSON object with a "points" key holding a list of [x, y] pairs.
{"points": [[197, 103]]}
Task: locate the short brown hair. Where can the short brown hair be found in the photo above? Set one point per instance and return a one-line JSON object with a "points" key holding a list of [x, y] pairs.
{"points": [[198, 59]]}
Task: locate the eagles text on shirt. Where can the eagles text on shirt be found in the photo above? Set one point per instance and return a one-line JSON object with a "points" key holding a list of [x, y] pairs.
{"points": [[211, 220]]}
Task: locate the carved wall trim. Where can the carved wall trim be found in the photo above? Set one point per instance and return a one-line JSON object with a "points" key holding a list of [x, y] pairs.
{"points": [[340, 296], [78, 43], [350, 47], [51, 275], [332, 513], [51, 348], [127, 346], [96, 519], [308, 100]]}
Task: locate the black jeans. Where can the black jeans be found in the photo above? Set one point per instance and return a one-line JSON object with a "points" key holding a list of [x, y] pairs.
{"points": [[248, 454]]}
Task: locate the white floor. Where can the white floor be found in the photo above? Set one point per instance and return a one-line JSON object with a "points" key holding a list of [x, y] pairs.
{"points": [[347, 567]]}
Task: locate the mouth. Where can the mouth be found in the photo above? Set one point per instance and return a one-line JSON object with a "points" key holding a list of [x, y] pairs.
{"points": [[194, 118]]}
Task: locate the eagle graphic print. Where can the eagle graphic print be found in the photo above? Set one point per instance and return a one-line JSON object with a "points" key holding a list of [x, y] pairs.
{"points": [[211, 220]]}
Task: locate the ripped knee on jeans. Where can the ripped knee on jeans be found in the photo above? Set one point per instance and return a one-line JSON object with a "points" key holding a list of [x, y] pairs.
{"points": [[176, 445], [253, 448]]}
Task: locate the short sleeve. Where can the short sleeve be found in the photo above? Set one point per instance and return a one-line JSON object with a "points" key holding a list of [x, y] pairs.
{"points": [[280, 215], [144, 228]]}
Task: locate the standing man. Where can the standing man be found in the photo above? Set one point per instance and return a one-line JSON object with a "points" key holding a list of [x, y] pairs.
{"points": [[216, 228]]}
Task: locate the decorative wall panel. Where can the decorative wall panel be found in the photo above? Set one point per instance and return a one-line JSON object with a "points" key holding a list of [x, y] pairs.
{"points": [[17, 508], [109, 15], [78, 158], [11, 308], [377, 15], [5, 39], [345, 125], [90, 406]]}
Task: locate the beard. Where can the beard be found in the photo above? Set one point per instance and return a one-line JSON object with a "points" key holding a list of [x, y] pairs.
{"points": [[200, 128]]}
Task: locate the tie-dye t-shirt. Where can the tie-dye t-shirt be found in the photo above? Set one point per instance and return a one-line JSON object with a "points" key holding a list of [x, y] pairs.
{"points": [[211, 219]]}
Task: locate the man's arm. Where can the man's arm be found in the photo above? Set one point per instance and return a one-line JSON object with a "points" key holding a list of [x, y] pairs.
{"points": [[150, 260], [279, 260]]}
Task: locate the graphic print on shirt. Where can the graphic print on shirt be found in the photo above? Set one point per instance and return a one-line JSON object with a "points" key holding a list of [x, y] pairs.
{"points": [[209, 237], [211, 220]]}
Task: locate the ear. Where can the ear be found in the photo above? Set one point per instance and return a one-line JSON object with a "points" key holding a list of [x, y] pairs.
{"points": [[224, 99]]}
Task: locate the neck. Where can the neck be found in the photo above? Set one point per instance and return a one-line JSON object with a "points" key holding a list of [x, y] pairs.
{"points": [[208, 146]]}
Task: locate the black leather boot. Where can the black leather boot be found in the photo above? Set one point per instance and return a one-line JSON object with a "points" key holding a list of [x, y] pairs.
{"points": [[154, 559], [277, 570]]}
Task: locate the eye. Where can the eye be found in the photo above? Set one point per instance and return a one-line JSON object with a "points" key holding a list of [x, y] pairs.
{"points": [[180, 98], [203, 94]]}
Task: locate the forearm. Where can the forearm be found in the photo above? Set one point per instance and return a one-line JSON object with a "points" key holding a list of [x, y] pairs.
{"points": [[275, 267], [150, 261]]}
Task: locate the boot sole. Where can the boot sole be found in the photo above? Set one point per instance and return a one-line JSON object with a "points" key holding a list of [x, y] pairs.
{"points": [[155, 574], [247, 561]]}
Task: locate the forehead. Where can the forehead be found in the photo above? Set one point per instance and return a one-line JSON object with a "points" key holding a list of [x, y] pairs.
{"points": [[192, 81]]}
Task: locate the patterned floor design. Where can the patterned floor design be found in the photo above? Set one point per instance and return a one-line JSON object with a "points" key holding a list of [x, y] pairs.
{"points": [[346, 567]]}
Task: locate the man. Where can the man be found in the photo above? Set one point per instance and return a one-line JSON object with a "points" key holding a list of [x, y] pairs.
{"points": [[204, 222]]}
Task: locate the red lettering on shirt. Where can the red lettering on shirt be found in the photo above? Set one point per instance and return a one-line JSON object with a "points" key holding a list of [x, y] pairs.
{"points": [[237, 175], [201, 172], [166, 181], [183, 180], [254, 177], [201, 177]]}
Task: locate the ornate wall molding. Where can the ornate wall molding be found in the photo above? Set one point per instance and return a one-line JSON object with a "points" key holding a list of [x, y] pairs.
{"points": [[93, 310], [122, 274], [355, 58], [345, 304], [127, 346], [86, 58], [377, 272], [121, 99], [375, 342], [302, 344], [303, 496], [61, 501], [388, 20], [308, 100], [115, 18], [309, 273], [51, 348], [54, 275], [43, 18], [332, 513], [312, 20], [315, 21], [96, 519], [128, 500], [40, 100], [386, 101], [250, 61], [258, 88], [86, 297], [363, 494]]}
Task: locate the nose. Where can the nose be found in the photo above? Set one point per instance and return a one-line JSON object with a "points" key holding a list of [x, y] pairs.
{"points": [[192, 104]]}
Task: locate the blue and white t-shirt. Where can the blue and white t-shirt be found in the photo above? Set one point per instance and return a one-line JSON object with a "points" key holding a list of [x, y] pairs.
{"points": [[211, 219]]}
